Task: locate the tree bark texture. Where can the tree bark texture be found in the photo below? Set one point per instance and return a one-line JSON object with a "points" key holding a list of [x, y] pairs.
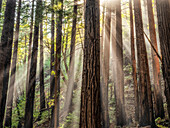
{"points": [[163, 12], [133, 58], [90, 94], [159, 110]]}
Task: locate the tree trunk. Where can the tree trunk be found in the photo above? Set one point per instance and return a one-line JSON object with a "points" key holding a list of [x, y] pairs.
{"points": [[32, 78], [133, 58], [90, 94], [30, 47], [145, 101], [42, 94], [106, 58], [57, 66], [70, 85], [5, 54], [52, 65], [13, 71], [120, 102], [163, 12], [159, 110]]}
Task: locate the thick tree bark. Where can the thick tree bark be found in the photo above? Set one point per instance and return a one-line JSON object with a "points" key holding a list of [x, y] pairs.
{"points": [[145, 101], [70, 85], [32, 78], [13, 71], [133, 58], [52, 64], [5, 54], [57, 66], [163, 12], [90, 110], [119, 88], [30, 47], [42, 94], [105, 68], [159, 110]]}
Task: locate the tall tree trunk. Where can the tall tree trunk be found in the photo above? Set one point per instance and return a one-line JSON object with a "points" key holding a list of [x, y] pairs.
{"points": [[13, 71], [159, 110], [57, 66], [119, 90], [52, 64], [70, 85], [106, 68], [133, 58], [42, 94], [163, 12], [90, 110], [32, 78], [145, 101], [30, 47], [5, 54]]}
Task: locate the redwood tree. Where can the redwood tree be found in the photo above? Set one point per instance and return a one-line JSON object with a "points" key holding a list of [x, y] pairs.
{"points": [[5, 54], [52, 65], [163, 12], [30, 46], [159, 110], [119, 88], [90, 94], [134, 73], [42, 94], [28, 123], [105, 68], [57, 65], [145, 101], [13, 71]]}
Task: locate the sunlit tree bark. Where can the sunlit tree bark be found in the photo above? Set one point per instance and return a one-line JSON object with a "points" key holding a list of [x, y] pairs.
{"points": [[57, 66], [106, 58], [90, 94], [145, 101], [5, 54], [13, 71], [70, 85], [159, 110], [28, 122], [134, 63], [163, 12], [119, 88]]}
